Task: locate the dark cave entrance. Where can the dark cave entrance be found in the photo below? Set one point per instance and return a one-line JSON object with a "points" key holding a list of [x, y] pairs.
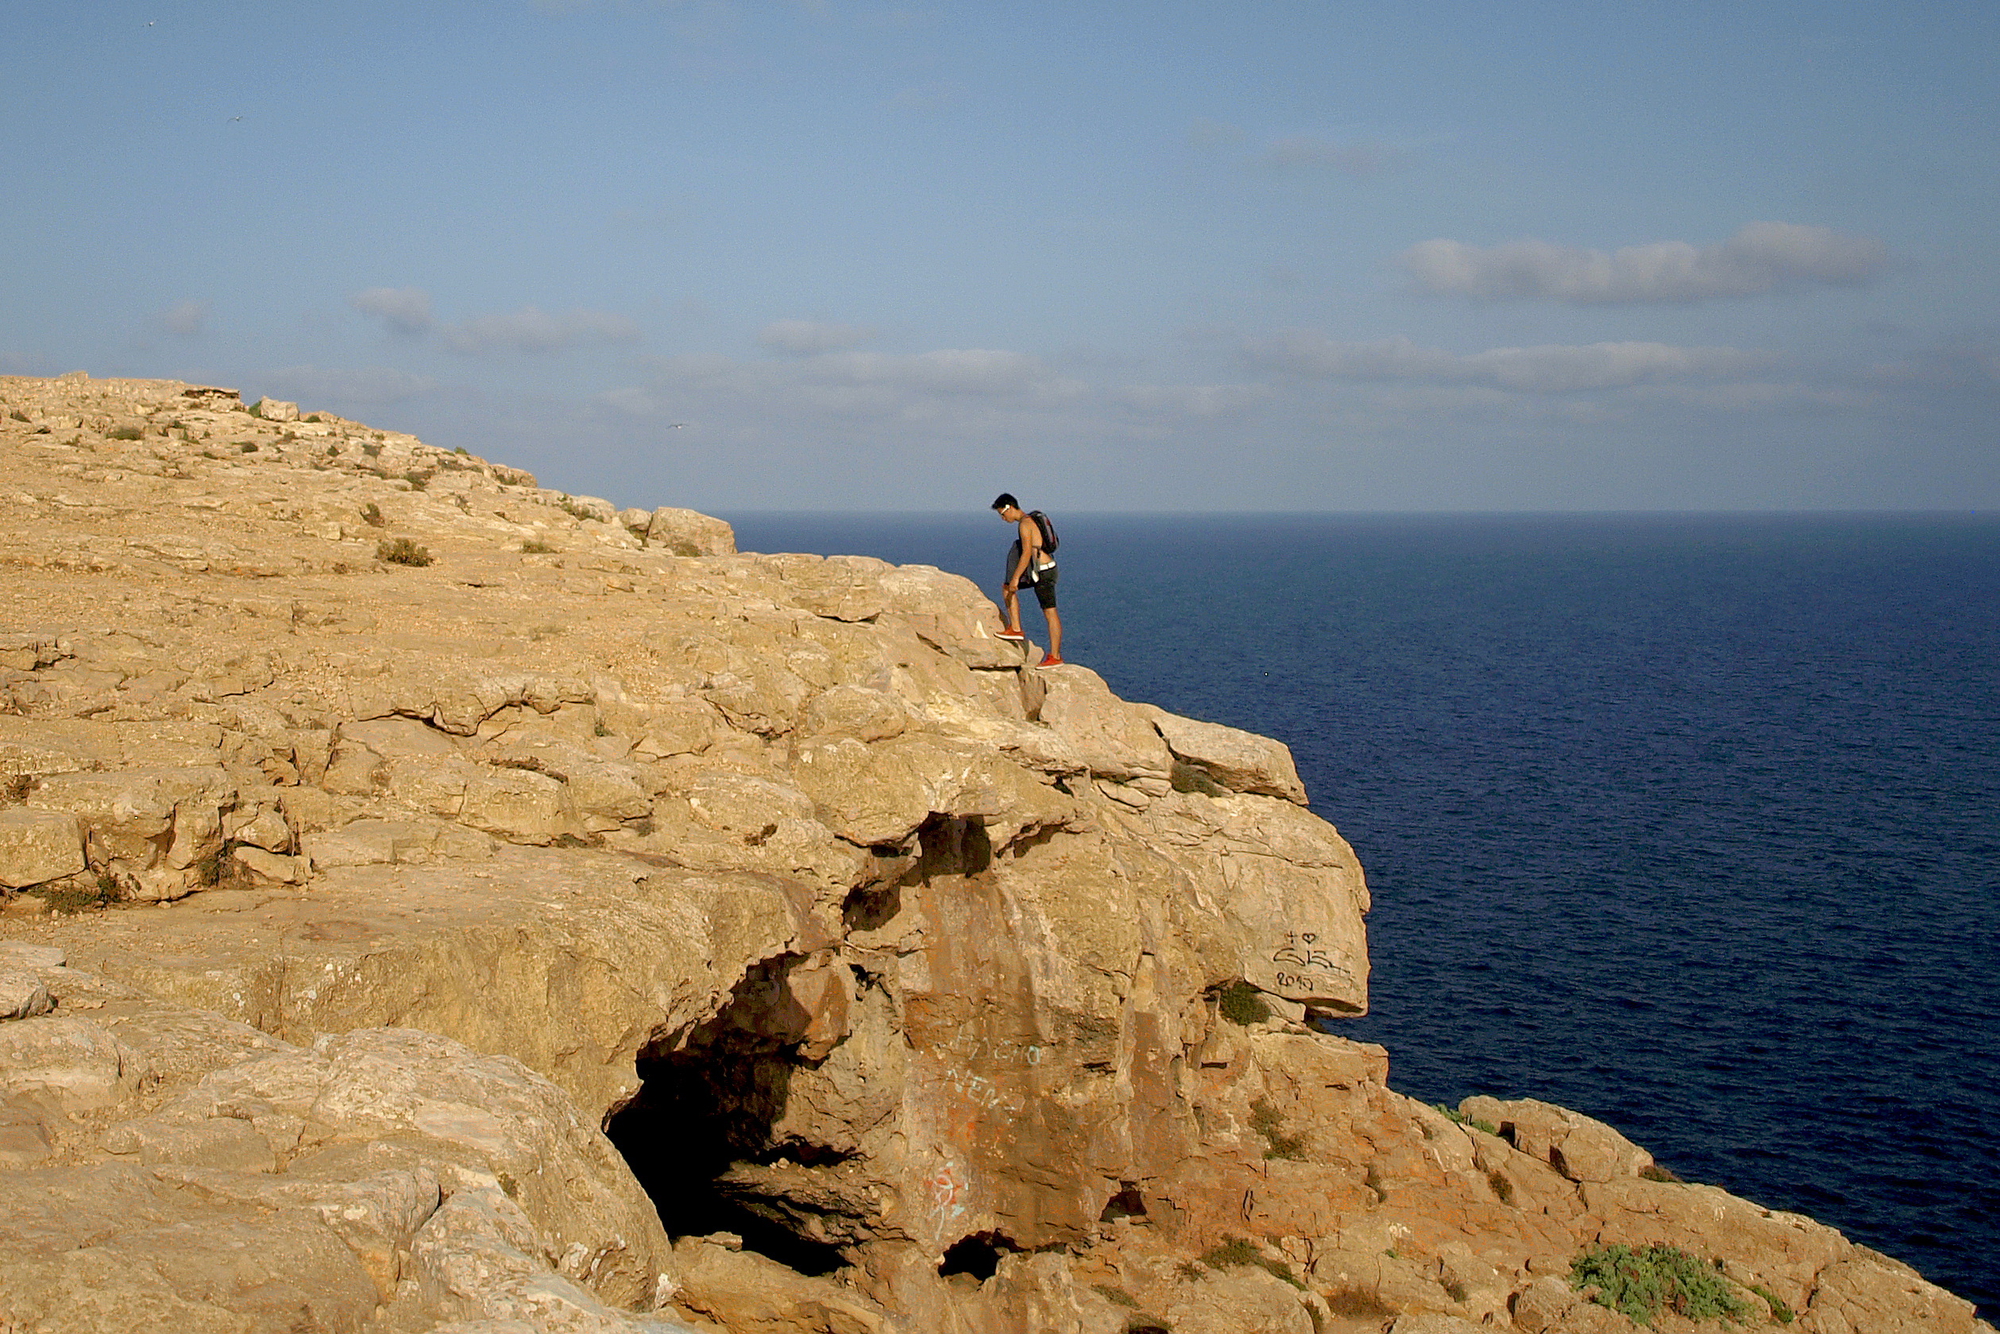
{"points": [[711, 1103], [710, 1099]]}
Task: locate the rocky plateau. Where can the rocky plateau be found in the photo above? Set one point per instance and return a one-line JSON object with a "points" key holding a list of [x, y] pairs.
{"points": [[437, 903]]}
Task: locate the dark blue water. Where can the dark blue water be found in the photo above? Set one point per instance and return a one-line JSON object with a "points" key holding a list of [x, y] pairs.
{"points": [[1691, 823]]}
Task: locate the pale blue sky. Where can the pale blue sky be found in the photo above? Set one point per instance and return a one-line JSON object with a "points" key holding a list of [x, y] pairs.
{"points": [[1137, 255]]}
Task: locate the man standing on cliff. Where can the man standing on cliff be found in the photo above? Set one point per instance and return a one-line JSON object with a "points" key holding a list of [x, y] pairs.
{"points": [[1028, 563]]}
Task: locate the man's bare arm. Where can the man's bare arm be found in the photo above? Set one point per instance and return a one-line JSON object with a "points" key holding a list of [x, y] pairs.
{"points": [[1031, 543]]}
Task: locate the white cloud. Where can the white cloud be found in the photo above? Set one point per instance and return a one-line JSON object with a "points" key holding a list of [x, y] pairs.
{"points": [[188, 319], [406, 310], [531, 329], [805, 337], [1966, 366], [367, 385], [954, 391], [947, 371], [1762, 257], [1192, 400], [1537, 370], [1354, 157]]}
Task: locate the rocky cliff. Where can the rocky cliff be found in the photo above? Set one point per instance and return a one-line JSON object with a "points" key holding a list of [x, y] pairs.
{"points": [[436, 902]]}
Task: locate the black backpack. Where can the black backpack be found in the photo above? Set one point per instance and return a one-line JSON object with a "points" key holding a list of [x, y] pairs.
{"points": [[1048, 526]]}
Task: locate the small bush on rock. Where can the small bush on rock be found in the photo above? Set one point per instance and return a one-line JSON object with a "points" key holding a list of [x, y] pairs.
{"points": [[1264, 1119], [1358, 1304], [1781, 1311], [1459, 1118], [1235, 1252], [1240, 1004], [124, 433], [1637, 1284], [402, 551], [536, 547]]}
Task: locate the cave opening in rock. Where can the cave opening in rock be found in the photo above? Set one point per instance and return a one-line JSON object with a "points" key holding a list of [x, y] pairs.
{"points": [[977, 1255], [1127, 1203], [708, 1102]]}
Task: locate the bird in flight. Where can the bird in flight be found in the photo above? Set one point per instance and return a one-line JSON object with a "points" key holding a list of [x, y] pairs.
{"points": [[675, 426], [234, 119]]}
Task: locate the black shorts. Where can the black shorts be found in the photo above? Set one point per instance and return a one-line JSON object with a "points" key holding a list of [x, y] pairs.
{"points": [[1044, 586]]}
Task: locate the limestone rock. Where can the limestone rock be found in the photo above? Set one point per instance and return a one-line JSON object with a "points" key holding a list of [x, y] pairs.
{"points": [[1240, 761], [109, 1247], [1115, 740], [1541, 1306], [686, 533], [748, 1294], [1432, 1322], [22, 995], [1575, 1145], [1240, 1301], [75, 1061], [38, 846], [859, 936]]}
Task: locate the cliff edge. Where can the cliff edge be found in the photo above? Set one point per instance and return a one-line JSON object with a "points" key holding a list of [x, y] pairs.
{"points": [[433, 902]]}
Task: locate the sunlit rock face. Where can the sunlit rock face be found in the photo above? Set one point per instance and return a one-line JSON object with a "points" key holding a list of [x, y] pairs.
{"points": [[433, 901]]}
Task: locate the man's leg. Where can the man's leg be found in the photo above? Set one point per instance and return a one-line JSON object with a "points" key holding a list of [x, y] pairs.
{"points": [[1055, 631], [1011, 599]]}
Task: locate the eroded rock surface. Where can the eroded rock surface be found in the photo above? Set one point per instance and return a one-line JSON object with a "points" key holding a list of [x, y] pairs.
{"points": [[377, 826]]}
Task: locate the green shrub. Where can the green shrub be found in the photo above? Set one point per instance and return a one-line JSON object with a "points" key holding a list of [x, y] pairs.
{"points": [[1235, 1252], [534, 546], [419, 480], [1240, 1003], [1459, 1118], [576, 511], [67, 899], [1637, 1284], [373, 451], [1116, 1296], [402, 551], [256, 409], [371, 514], [1358, 1304], [247, 447], [124, 433], [1655, 1172], [1780, 1311], [1264, 1119], [1503, 1189]]}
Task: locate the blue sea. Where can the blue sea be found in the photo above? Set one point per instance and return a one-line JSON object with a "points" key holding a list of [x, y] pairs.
{"points": [[1688, 822]]}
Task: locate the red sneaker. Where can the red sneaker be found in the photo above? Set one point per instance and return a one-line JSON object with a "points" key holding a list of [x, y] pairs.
{"points": [[1051, 661], [1011, 636]]}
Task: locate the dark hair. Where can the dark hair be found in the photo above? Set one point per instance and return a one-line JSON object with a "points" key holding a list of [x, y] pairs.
{"points": [[1006, 501]]}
